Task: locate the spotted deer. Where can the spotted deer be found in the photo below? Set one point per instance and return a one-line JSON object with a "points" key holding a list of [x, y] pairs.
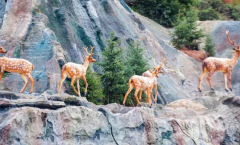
{"points": [[225, 65], [148, 74], [77, 71], [15, 65], [143, 83]]}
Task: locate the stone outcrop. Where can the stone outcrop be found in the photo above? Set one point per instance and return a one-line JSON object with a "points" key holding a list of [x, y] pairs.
{"points": [[208, 119], [50, 33]]}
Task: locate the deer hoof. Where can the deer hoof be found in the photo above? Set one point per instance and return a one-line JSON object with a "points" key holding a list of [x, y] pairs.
{"points": [[230, 89], [212, 89], [85, 94], [139, 105], [123, 105], [226, 90], [199, 90]]}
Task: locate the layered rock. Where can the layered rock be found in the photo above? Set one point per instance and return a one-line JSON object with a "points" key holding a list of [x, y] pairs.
{"points": [[208, 119]]}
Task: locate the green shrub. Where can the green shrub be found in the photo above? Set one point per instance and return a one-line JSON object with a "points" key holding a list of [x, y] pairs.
{"points": [[186, 33], [235, 13], [113, 80], [209, 14], [209, 46]]}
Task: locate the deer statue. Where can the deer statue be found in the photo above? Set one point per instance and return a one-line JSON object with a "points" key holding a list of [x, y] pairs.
{"points": [[148, 74], [77, 71], [225, 65], [15, 65], [141, 83]]}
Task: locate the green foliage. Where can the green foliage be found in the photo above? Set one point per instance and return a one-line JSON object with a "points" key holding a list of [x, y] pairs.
{"points": [[95, 90], [209, 46], [164, 12], [113, 79], [135, 62], [225, 10], [135, 65], [186, 32], [209, 14]]}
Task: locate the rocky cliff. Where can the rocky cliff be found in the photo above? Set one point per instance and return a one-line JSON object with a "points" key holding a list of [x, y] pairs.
{"points": [[50, 33], [208, 119]]}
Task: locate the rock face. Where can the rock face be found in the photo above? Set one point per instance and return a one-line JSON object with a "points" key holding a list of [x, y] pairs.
{"points": [[211, 118], [50, 33]]}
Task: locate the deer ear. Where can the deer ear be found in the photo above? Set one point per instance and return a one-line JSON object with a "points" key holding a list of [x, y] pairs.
{"points": [[234, 48]]}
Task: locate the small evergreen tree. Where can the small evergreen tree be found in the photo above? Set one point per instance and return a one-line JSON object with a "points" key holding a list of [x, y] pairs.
{"points": [[95, 90], [209, 46], [186, 32], [135, 63], [113, 79]]}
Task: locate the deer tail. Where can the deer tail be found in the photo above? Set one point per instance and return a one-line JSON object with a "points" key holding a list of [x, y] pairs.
{"points": [[203, 65], [32, 66], [63, 68]]}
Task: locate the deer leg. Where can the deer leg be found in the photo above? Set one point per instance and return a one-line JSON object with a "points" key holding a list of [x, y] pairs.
{"points": [[1, 73], [225, 81], [156, 93], [129, 90], [61, 81], [85, 81], [149, 98], [135, 95], [199, 80], [78, 88], [26, 82], [72, 84], [140, 96], [31, 80], [209, 79], [230, 80]]}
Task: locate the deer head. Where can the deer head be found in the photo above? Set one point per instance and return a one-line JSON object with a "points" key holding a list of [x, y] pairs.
{"points": [[157, 68], [2, 50], [233, 43], [89, 57]]}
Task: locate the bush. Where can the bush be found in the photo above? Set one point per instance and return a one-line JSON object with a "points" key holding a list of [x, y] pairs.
{"points": [[186, 32], [164, 12], [209, 14], [235, 13], [113, 78], [95, 90], [209, 46]]}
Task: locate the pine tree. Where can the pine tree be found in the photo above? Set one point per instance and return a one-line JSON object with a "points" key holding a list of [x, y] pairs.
{"points": [[95, 90], [113, 79], [186, 32], [209, 46], [135, 64]]}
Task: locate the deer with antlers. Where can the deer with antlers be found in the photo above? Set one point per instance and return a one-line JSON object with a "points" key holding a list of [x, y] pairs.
{"points": [[148, 74], [225, 65], [77, 71], [15, 65], [144, 83]]}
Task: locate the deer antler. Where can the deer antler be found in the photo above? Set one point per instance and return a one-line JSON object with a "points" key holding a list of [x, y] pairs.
{"points": [[231, 42], [158, 69], [162, 63], [91, 50], [154, 64], [86, 49]]}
